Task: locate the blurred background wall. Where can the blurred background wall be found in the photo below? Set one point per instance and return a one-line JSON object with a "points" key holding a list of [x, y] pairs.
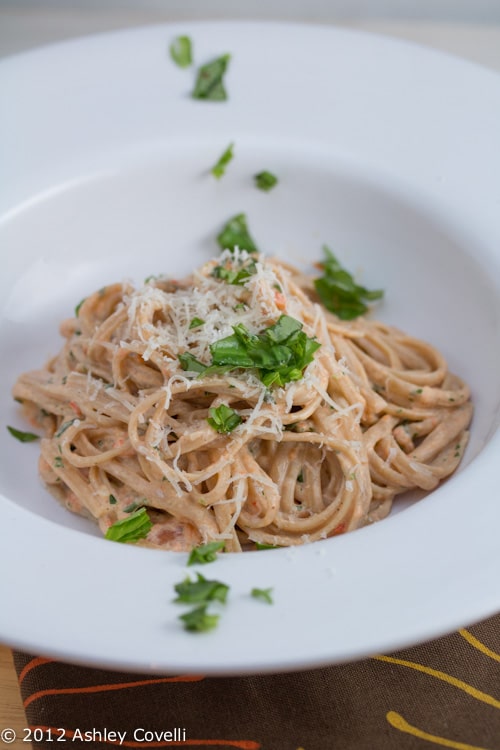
{"points": [[474, 11], [469, 28]]}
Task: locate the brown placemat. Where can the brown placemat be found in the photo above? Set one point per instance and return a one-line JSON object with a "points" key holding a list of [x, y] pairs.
{"points": [[442, 693]]}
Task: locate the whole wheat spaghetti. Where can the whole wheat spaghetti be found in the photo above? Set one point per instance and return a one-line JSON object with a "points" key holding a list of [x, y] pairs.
{"points": [[136, 415]]}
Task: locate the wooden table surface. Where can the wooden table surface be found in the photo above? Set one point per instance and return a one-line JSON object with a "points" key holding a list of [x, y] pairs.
{"points": [[11, 708]]}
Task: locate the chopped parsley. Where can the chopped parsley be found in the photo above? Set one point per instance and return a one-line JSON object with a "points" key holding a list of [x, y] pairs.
{"points": [[201, 591], [209, 82], [181, 51], [236, 234], [219, 167], [265, 180], [264, 594], [58, 462], [338, 291], [131, 529], [205, 553], [223, 419], [196, 323], [23, 437], [198, 620]]}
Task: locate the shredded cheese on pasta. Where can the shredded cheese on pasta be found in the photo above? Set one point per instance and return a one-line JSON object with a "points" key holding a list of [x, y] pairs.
{"points": [[376, 413]]}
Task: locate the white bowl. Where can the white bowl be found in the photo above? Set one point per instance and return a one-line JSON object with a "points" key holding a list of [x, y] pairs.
{"points": [[386, 152]]}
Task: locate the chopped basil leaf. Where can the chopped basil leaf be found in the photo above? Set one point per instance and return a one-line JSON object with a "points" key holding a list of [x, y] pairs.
{"points": [[223, 419], [131, 529], [263, 594], [205, 553], [133, 506], [195, 323], [64, 427], [112, 500], [77, 308], [280, 353], [190, 363], [265, 180], [235, 276], [220, 167], [261, 545], [339, 292], [236, 234], [201, 590], [198, 620], [180, 51], [23, 437], [209, 82]]}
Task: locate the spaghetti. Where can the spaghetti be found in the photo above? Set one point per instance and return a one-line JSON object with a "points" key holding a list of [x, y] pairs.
{"points": [[130, 424]]}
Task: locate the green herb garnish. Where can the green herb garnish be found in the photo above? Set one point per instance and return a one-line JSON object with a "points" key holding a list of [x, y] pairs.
{"points": [[338, 291], [133, 506], [205, 553], [180, 51], [280, 353], [198, 620], [112, 500], [261, 545], [209, 82], [64, 427], [23, 437], [223, 419], [77, 308], [195, 323], [58, 462], [219, 167], [263, 594], [236, 234], [131, 529], [235, 276], [190, 363], [265, 180], [201, 590]]}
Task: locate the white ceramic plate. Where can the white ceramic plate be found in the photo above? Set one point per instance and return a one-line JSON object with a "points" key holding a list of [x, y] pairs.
{"points": [[385, 151]]}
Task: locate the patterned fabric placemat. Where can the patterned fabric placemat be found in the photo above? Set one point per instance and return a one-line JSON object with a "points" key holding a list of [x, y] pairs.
{"points": [[443, 693]]}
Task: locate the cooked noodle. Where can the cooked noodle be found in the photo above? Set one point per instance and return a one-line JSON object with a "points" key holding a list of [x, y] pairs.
{"points": [[375, 414]]}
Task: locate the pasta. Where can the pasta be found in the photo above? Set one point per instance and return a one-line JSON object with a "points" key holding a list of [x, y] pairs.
{"points": [[221, 452]]}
